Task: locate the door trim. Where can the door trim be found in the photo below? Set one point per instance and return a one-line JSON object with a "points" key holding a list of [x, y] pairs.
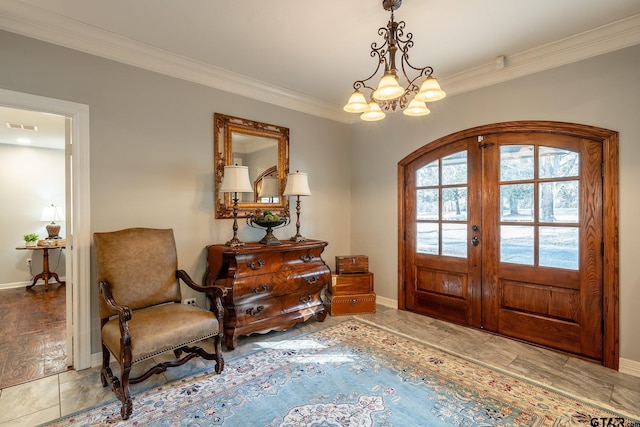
{"points": [[611, 258], [80, 213]]}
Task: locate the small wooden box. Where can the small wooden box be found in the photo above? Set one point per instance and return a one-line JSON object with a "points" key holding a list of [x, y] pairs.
{"points": [[351, 304], [352, 264], [350, 284]]}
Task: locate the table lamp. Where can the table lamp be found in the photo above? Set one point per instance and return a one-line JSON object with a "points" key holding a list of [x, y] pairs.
{"points": [[297, 185], [235, 180], [53, 213]]}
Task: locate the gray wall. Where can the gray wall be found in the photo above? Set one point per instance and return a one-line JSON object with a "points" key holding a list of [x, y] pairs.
{"points": [[152, 150], [603, 91]]}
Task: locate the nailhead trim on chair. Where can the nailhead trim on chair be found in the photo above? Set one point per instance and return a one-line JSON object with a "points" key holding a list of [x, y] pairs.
{"points": [[148, 356]]}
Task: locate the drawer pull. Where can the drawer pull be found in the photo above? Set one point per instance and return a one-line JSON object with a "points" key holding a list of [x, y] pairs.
{"points": [[261, 289], [256, 265], [306, 299], [354, 301], [254, 311], [311, 280], [306, 258]]}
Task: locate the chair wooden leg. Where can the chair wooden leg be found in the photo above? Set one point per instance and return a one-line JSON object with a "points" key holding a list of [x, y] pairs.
{"points": [[124, 394], [217, 342]]}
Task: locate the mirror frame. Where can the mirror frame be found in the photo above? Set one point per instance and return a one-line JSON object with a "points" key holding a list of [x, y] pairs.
{"points": [[224, 127]]}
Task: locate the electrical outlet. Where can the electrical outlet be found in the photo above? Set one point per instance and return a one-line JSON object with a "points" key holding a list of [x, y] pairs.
{"points": [[190, 301]]}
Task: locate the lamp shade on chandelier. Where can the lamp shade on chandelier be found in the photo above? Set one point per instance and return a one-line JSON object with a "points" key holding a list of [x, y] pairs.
{"points": [[390, 95]]}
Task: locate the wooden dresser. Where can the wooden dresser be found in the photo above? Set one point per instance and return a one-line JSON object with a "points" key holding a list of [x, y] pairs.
{"points": [[268, 287]]}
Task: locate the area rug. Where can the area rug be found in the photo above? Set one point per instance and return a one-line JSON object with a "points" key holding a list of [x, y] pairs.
{"points": [[351, 374]]}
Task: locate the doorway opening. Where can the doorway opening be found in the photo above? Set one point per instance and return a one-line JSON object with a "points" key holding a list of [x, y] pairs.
{"points": [[77, 221]]}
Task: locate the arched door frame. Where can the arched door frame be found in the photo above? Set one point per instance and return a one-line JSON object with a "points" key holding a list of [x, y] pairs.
{"points": [[611, 278]]}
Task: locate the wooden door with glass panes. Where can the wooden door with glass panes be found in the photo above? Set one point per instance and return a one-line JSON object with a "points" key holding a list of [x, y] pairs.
{"points": [[504, 232]]}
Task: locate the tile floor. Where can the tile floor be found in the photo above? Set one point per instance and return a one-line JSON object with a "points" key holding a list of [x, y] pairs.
{"points": [[46, 399]]}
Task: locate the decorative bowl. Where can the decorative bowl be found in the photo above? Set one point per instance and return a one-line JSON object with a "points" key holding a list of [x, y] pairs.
{"points": [[269, 224], [266, 223]]}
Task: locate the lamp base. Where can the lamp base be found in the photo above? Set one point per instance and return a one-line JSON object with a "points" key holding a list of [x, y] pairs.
{"points": [[53, 229], [234, 243], [298, 238]]}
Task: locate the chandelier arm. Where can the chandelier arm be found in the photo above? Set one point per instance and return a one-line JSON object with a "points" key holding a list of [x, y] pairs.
{"points": [[422, 72], [358, 84]]}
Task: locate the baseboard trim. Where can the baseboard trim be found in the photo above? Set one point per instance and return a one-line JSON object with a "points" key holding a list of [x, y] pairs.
{"points": [[630, 367], [15, 285], [387, 302], [24, 284]]}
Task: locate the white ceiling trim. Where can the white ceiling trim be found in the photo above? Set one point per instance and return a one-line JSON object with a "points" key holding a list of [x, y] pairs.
{"points": [[43, 25], [608, 38]]}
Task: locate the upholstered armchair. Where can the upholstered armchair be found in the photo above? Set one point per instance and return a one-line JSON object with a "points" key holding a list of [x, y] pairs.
{"points": [[140, 307]]}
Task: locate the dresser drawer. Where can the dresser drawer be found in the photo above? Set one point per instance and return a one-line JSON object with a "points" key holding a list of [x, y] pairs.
{"points": [[254, 264], [268, 308], [283, 282], [348, 284], [339, 305]]}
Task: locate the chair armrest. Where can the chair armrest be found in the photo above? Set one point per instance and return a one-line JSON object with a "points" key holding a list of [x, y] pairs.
{"points": [[124, 315], [216, 293], [214, 290], [124, 312]]}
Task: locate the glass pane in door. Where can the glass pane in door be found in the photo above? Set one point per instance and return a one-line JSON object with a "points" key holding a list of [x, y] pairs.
{"points": [[559, 247], [517, 244], [516, 162], [559, 201], [517, 202], [427, 238], [557, 163]]}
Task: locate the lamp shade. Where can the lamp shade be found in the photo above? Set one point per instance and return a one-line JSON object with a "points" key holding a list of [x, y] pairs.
{"points": [[52, 213], [388, 88], [357, 103], [373, 114], [269, 187], [297, 185], [416, 108], [430, 91], [236, 180]]}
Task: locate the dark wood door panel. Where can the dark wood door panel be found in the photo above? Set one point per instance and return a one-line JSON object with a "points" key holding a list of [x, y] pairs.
{"points": [[552, 333]]}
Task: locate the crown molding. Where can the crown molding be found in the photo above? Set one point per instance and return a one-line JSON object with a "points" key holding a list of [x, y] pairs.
{"points": [[43, 25], [607, 38]]}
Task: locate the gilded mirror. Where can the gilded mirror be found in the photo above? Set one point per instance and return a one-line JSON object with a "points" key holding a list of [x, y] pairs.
{"points": [[264, 149]]}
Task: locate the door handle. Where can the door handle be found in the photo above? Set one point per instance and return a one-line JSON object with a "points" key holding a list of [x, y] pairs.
{"points": [[475, 241]]}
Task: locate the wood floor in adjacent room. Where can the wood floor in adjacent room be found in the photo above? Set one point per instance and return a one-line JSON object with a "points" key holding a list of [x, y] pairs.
{"points": [[32, 334]]}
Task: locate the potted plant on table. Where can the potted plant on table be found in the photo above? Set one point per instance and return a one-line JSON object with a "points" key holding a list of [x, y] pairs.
{"points": [[30, 239]]}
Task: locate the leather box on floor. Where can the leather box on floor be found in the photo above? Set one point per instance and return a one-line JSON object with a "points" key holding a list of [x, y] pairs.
{"points": [[349, 284], [351, 304], [352, 264]]}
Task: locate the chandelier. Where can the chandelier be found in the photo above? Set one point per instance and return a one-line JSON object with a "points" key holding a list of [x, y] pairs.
{"points": [[390, 95]]}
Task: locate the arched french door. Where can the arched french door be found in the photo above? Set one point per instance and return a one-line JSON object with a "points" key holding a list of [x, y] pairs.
{"points": [[512, 228]]}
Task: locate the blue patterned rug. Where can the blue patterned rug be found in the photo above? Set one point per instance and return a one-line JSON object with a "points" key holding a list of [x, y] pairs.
{"points": [[351, 374]]}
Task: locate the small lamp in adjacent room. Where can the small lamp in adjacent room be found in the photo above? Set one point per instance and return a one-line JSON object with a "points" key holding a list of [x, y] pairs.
{"points": [[53, 213], [235, 180], [297, 185]]}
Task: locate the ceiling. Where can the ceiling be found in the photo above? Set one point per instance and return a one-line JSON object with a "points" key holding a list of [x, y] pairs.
{"points": [[306, 55]]}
